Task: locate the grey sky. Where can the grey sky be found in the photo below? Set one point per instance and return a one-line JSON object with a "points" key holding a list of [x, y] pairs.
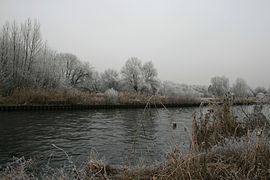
{"points": [[188, 41]]}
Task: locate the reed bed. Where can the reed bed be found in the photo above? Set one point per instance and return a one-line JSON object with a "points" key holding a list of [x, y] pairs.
{"points": [[39, 96]]}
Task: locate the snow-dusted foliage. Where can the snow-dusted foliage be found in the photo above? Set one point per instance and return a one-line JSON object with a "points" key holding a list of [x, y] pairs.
{"points": [[74, 72], [260, 90], [140, 77], [240, 88], [110, 79], [111, 96], [173, 89], [19, 49], [150, 83], [132, 74], [219, 85], [47, 69], [93, 83], [111, 93], [26, 61]]}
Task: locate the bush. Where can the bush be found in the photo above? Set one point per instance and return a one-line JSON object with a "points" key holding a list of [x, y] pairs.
{"points": [[111, 96]]}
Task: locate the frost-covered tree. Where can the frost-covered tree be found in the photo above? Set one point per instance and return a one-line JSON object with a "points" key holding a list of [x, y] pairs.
{"points": [[173, 89], [16, 53], [150, 80], [201, 90], [19, 49], [240, 88], [26, 61], [260, 89], [219, 85], [74, 71], [140, 77], [110, 79], [132, 73], [93, 83], [4, 58], [48, 69], [32, 43]]}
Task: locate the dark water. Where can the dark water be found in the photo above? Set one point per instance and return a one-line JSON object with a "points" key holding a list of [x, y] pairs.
{"points": [[119, 136]]}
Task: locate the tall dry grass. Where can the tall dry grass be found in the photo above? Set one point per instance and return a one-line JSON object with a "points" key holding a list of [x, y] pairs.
{"points": [[41, 96], [216, 124], [52, 96]]}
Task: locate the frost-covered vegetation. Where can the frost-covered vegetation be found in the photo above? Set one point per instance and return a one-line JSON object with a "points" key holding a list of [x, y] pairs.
{"points": [[222, 146], [27, 62]]}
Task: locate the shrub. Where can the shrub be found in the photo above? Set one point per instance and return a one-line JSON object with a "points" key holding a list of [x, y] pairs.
{"points": [[111, 96]]}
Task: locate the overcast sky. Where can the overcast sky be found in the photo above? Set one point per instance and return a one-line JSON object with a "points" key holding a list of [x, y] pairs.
{"points": [[188, 41]]}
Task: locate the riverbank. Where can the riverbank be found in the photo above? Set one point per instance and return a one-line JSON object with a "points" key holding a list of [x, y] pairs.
{"points": [[88, 107], [223, 146], [58, 107], [28, 96], [56, 99]]}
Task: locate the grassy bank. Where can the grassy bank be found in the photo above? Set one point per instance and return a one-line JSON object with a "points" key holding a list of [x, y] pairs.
{"points": [[41, 97], [223, 146], [74, 97]]}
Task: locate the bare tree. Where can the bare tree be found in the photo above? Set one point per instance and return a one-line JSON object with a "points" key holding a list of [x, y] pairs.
{"points": [[16, 47], [35, 43], [132, 73], [73, 70], [260, 89], [240, 88], [174, 89], [25, 61], [81, 72], [110, 79], [4, 49], [93, 82], [48, 69], [150, 79], [32, 42], [5, 75], [219, 85]]}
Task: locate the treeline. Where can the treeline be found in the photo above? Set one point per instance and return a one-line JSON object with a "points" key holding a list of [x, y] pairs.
{"points": [[220, 85], [26, 61]]}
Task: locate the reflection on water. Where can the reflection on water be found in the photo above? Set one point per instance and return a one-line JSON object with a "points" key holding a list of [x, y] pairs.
{"points": [[120, 136]]}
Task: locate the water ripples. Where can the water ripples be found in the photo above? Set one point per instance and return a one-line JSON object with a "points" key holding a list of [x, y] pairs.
{"points": [[120, 136]]}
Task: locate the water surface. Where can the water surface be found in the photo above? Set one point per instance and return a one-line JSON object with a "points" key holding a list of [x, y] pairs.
{"points": [[119, 136]]}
